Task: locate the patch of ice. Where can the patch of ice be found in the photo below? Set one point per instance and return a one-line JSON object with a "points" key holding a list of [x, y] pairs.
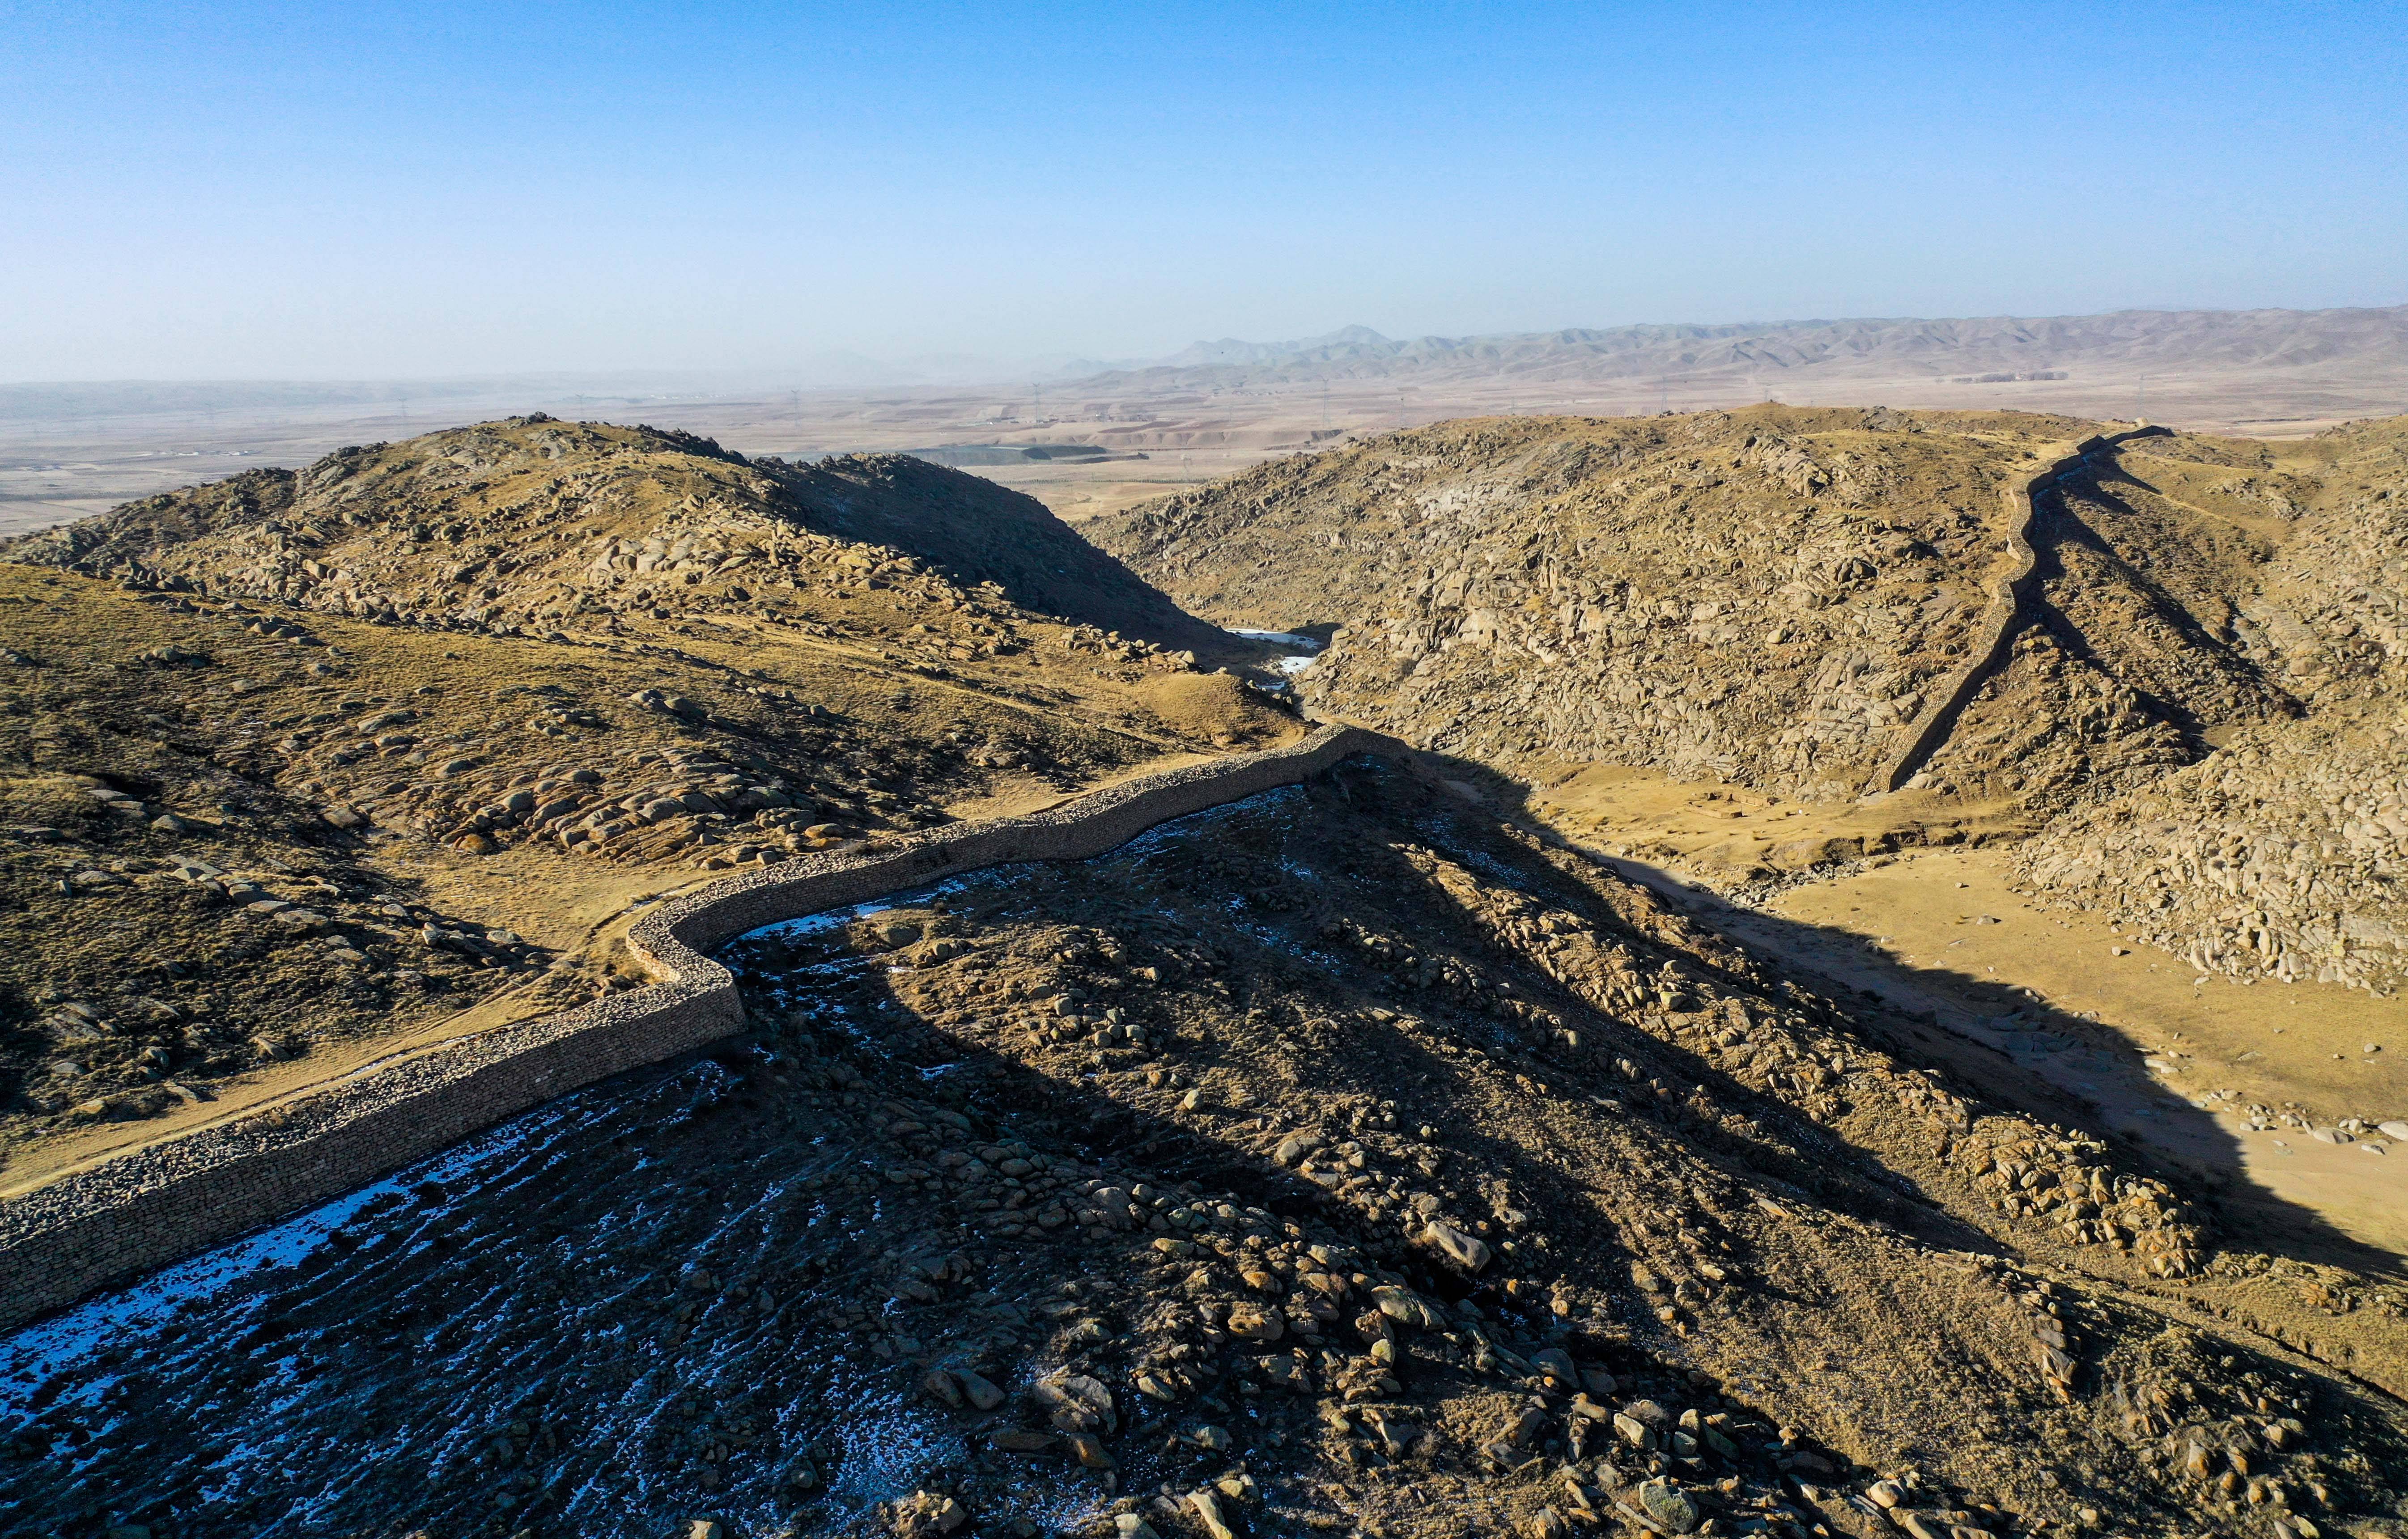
{"points": [[30, 1356], [1280, 639], [837, 918]]}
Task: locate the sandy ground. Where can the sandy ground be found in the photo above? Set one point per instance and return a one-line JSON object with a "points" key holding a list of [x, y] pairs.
{"points": [[2039, 1003], [1732, 834], [2164, 1056], [1076, 492]]}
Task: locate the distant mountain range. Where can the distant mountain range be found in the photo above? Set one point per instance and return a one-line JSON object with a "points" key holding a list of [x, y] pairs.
{"points": [[2123, 342], [2357, 348]]}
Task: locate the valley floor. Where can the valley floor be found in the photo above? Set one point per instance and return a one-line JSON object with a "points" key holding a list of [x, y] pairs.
{"points": [[2246, 1082]]}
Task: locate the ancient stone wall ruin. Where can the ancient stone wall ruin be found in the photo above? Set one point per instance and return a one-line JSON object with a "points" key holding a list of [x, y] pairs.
{"points": [[142, 1209], [1998, 623]]}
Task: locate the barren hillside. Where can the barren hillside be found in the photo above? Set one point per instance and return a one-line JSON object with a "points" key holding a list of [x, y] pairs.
{"points": [[303, 762], [1771, 596], [2282, 853], [1345, 1161], [533, 520], [1368, 1157]]}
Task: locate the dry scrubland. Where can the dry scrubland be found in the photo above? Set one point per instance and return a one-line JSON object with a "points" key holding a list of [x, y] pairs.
{"points": [[1382, 1156]]}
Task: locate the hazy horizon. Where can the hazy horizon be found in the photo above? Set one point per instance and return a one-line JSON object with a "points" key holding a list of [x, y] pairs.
{"points": [[352, 193], [947, 371]]}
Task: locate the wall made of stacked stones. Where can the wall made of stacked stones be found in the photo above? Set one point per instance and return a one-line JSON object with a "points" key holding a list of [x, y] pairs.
{"points": [[153, 1205]]}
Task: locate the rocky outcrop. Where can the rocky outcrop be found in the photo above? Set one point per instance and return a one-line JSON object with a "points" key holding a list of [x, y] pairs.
{"points": [[2282, 854], [1802, 600]]}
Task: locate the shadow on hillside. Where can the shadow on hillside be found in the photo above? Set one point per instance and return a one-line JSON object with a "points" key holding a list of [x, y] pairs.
{"points": [[1773, 1148], [2044, 1062], [1899, 1008], [1933, 1015], [502, 1270], [979, 531], [1370, 1062]]}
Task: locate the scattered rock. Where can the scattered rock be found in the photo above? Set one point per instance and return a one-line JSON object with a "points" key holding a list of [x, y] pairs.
{"points": [[1466, 1250], [1666, 1506], [1208, 1512], [926, 1514]]}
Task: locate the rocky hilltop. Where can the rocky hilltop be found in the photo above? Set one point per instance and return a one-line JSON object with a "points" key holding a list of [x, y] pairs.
{"points": [[534, 523], [1772, 596], [316, 757], [2283, 853]]}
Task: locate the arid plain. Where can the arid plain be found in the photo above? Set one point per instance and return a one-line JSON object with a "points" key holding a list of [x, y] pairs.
{"points": [[1219, 407]]}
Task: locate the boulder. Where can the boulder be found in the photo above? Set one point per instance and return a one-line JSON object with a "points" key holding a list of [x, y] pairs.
{"points": [[1467, 1251]]}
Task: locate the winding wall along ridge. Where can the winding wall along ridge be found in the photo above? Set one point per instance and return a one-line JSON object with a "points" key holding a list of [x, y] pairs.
{"points": [[1999, 620], [146, 1207]]}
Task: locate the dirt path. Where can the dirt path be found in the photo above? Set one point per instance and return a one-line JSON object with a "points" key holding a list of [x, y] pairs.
{"points": [[2007, 588]]}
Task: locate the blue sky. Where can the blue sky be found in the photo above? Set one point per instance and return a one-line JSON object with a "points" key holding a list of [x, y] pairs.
{"points": [[349, 190]]}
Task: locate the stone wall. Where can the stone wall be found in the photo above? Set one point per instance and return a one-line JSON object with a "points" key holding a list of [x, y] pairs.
{"points": [[1999, 622], [148, 1206]]}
